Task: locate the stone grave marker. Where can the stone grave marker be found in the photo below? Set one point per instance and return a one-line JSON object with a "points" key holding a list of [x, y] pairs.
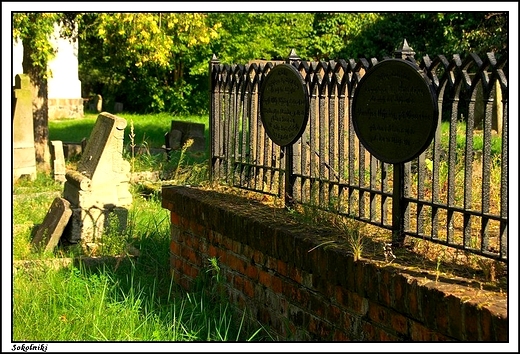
{"points": [[24, 155], [181, 131], [58, 159], [100, 186], [50, 231]]}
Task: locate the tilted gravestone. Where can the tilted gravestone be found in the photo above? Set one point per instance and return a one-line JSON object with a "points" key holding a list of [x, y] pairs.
{"points": [[99, 188], [50, 231], [180, 132], [24, 156]]}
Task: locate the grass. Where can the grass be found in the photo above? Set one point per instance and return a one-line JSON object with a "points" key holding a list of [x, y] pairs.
{"points": [[131, 298], [149, 129]]}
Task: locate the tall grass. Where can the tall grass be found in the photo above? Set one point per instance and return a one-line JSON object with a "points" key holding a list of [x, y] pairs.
{"points": [[133, 299]]}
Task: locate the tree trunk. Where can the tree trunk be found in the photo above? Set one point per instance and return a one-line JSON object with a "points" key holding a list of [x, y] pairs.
{"points": [[40, 112]]}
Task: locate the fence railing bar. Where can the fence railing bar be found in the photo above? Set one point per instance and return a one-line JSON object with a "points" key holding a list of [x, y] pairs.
{"points": [[329, 162]]}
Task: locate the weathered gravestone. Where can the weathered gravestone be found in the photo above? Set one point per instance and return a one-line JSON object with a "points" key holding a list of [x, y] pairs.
{"points": [[50, 231], [24, 155], [99, 188], [180, 132]]}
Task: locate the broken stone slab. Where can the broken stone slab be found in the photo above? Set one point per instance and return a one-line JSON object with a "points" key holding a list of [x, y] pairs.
{"points": [[58, 159], [50, 231]]}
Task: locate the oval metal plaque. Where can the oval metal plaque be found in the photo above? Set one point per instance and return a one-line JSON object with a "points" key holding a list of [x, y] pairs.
{"points": [[395, 111], [284, 104]]}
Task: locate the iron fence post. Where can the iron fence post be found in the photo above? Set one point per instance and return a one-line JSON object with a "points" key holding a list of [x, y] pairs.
{"points": [[214, 61], [289, 151], [399, 206]]}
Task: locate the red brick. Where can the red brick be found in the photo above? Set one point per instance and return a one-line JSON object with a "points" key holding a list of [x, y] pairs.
{"points": [[227, 243], [384, 336], [341, 296], [486, 331], [357, 303], [212, 251], [237, 247], [272, 263], [501, 328], [178, 264], [420, 333], [370, 332], [319, 329], [238, 283], [282, 268], [276, 284], [222, 256], [195, 242], [236, 263], [184, 223], [175, 218], [174, 248], [252, 272], [334, 314], [471, 322], [454, 309], [196, 227], [378, 314], [194, 273], [258, 257], [264, 278], [413, 299], [399, 323], [249, 289], [385, 287], [295, 274], [340, 336]]}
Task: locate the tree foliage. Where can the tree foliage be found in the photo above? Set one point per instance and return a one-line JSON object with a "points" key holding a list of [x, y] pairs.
{"points": [[146, 60], [158, 61]]}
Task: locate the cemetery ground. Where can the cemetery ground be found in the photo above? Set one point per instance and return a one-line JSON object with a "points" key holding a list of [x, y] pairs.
{"points": [[123, 290]]}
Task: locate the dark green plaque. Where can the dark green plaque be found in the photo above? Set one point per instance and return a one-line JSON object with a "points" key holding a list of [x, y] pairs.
{"points": [[284, 104], [395, 111]]}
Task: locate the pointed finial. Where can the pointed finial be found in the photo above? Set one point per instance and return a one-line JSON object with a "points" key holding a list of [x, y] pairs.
{"points": [[404, 52], [293, 56]]}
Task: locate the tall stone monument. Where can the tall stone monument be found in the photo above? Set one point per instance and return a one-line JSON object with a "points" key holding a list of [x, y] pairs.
{"points": [[99, 188], [24, 156]]}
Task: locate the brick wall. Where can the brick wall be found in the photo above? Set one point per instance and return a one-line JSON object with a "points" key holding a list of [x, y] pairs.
{"points": [[302, 292]]}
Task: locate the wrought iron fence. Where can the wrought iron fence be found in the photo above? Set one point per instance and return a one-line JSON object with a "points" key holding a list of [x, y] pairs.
{"points": [[455, 193]]}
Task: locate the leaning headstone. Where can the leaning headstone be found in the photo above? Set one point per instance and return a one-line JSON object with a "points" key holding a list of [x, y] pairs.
{"points": [[24, 155], [100, 186], [50, 231], [180, 132], [58, 159]]}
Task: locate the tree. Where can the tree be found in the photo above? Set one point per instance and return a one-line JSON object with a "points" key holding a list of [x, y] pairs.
{"points": [[246, 36], [144, 59], [34, 31]]}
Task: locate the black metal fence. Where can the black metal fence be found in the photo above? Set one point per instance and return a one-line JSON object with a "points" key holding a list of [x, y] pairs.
{"points": [[455, 193]]}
